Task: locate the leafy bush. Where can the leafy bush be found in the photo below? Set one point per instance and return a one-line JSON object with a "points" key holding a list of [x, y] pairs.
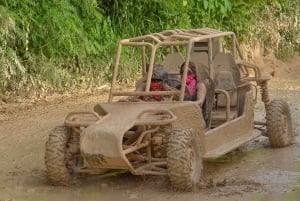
{"points": [[58, 46]]}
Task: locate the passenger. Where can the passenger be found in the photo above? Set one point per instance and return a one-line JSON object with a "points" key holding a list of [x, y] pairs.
{"points": [[195, 88], [159, 76]]}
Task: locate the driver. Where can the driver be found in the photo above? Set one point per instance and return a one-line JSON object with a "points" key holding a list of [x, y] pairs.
{"points": [[158, 83], [195, 88]]}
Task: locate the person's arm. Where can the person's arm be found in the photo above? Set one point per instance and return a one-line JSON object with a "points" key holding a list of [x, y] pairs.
{"points": [[201, 93]]}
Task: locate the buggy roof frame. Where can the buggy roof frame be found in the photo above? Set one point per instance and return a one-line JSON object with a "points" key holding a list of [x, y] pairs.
{"points": [[172, 38]]}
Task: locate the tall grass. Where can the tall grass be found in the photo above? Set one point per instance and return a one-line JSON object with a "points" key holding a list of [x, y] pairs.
{"points": [[64, 45]]}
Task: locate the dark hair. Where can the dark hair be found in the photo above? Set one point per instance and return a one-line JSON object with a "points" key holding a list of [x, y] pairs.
{"points": [[191, 68], [159, 73]]}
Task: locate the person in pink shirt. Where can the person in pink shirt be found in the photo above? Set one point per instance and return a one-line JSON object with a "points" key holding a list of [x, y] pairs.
{"points": [[195, 88]]}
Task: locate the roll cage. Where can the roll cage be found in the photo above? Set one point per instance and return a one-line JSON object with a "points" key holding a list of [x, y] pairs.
{"points": [[184, 42]]}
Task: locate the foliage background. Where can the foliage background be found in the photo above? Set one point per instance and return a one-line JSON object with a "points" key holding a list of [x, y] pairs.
{"points": [[66, 45]]}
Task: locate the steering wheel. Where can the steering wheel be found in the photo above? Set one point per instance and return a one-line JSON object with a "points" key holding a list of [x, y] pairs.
{"points": [[170, 82]]}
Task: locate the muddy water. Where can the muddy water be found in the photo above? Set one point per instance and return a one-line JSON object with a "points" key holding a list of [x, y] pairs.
{"points": [[258, 173]]}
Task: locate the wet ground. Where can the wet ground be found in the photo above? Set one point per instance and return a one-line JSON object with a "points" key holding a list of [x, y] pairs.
{"points": [[260, 173]]}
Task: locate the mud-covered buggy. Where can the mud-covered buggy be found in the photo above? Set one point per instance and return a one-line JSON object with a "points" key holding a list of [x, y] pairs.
{"points": [[169, 136]]}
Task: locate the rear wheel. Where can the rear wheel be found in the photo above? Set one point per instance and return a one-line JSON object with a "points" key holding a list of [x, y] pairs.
{"points": [[56, 157], [279, 123], [184, 159]]}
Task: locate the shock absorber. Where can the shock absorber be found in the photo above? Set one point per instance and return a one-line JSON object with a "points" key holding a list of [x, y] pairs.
{"points": [[263, 83]]}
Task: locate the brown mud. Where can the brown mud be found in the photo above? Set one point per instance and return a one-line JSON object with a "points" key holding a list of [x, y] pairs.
{"points": [[257, 173]]}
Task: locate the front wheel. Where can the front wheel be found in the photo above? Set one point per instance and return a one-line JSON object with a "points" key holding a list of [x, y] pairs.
{"points": [[56, 157], [279, 123], [184, 159]]}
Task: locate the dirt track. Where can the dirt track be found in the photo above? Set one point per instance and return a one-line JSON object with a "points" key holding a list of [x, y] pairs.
{"points": [[261, 173]]}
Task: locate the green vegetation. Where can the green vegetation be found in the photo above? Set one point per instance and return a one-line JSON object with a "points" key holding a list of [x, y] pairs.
{"points": [[65, 45]]}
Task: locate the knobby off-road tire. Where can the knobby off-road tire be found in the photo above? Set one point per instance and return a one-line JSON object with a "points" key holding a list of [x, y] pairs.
{"points": [[184, 159], [279, 123], [55, 156]]}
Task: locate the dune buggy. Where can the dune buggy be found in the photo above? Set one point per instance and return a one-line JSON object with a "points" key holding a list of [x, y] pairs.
{"points": [[172, 136]]}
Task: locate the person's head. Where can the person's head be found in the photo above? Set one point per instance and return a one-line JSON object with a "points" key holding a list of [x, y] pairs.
{"points": [[191, 69], [159, 73]]}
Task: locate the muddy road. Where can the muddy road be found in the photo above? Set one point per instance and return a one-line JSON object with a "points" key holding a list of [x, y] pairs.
{"points": [[258, 173]]}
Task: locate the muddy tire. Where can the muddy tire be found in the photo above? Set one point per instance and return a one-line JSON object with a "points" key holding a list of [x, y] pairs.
{"points": [[184, 159], [55, 156], [279, 123]]}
